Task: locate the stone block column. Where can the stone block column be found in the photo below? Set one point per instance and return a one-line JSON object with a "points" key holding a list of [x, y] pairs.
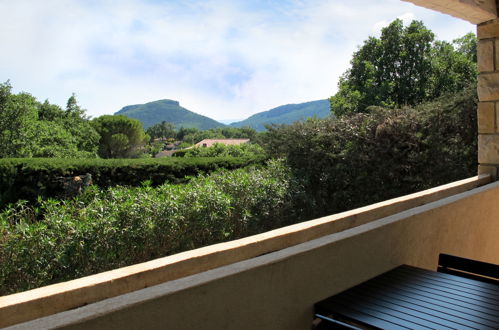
{"points": [[488, 95]]}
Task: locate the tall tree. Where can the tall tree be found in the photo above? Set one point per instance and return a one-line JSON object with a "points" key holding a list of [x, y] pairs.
{"points": [[17, 115], [184, 131], [29, 128], [405, 66], [120, 136], [162, 130], [78, 124], [73, 108]]}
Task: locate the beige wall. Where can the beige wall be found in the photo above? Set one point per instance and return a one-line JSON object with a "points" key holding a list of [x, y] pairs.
{"points": [[278, 290]]}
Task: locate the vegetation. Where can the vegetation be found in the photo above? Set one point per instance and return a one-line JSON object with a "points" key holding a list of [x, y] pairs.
{"points": [[220, 150], [286, 114], [163, 130], [406, 122], [170, 111], [383, 153], [32, 177], [405, 66], [120, 136], [102, 230], [29, 128]]}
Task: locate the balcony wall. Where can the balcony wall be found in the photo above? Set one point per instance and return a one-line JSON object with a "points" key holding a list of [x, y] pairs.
{"points": [[277, 290]]}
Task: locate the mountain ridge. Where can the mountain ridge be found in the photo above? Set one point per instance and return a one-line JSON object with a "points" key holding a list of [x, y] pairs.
{"points": [[154, 112], [168, 110], [286, 114]]}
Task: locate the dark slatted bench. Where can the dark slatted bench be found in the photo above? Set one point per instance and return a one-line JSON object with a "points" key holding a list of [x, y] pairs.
{"points": [[412, 298], [476, 270]]}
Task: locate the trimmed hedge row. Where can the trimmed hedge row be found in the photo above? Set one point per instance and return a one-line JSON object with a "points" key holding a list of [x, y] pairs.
{"points": [[29, 178]]}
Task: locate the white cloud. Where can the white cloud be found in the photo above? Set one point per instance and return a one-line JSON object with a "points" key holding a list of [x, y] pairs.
{"points": [[224, 59], [407, 18], [378, 26]]}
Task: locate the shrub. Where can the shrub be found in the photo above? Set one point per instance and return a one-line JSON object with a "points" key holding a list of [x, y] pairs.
{"points": [[33, 177], [366, 158], [222, 150], [119, 226]]}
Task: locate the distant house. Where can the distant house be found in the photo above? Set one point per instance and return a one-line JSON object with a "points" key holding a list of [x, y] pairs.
{"points": [[211, 142]]}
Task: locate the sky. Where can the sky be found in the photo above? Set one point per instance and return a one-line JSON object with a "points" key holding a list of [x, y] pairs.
{"points": [[226, 59]]}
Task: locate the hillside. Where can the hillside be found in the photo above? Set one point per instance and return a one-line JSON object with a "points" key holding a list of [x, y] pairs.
{"points": [[170, 111], [286, 114]]}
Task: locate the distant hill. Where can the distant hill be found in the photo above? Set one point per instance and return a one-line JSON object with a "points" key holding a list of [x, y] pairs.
{"points": [[286, 114], [167, 110]]}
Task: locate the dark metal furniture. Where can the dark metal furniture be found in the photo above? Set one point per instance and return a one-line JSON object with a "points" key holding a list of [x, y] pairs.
{"points": [[474, 269], [413, 298]]}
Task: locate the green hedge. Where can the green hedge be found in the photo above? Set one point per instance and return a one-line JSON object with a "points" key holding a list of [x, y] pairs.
{"points": [[366, 158], [105, 229], [32, 177]]}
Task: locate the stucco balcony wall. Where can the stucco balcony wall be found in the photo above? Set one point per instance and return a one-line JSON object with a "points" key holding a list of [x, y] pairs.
{"points": [[278, 290]]}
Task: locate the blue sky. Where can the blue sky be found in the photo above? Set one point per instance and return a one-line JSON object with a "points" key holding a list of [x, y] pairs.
{"points": [[226, 59]]}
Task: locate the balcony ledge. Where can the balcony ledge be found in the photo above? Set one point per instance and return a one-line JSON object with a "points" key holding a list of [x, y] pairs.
{"points": [[351, 241]]}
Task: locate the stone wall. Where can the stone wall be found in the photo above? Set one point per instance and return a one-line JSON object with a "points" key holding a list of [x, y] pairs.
{"points": [[488, 94]]}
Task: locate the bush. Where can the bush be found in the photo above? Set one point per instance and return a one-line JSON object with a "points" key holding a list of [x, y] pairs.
{"points": [[222, 150], [33, 177], [366, 158], [119, 226]]}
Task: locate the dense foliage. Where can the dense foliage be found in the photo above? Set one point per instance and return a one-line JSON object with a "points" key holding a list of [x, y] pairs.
{"points": [[405, 66], [407, 122], [29, 128], [221, 150], [163, 130], [102, 230], [384, 153], [120, 136], [32, 177]]}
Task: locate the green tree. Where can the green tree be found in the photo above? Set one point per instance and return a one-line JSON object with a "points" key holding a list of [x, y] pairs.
{"points": [[245, 132], [53, 140], [221, 150], [17, 116], [405, 66], [78, 125], [364, 158], [50, 112], [29, 128], [183, 131], [120, 136], [467, 45], [73, 108], [162, 130], [452, 70]]}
